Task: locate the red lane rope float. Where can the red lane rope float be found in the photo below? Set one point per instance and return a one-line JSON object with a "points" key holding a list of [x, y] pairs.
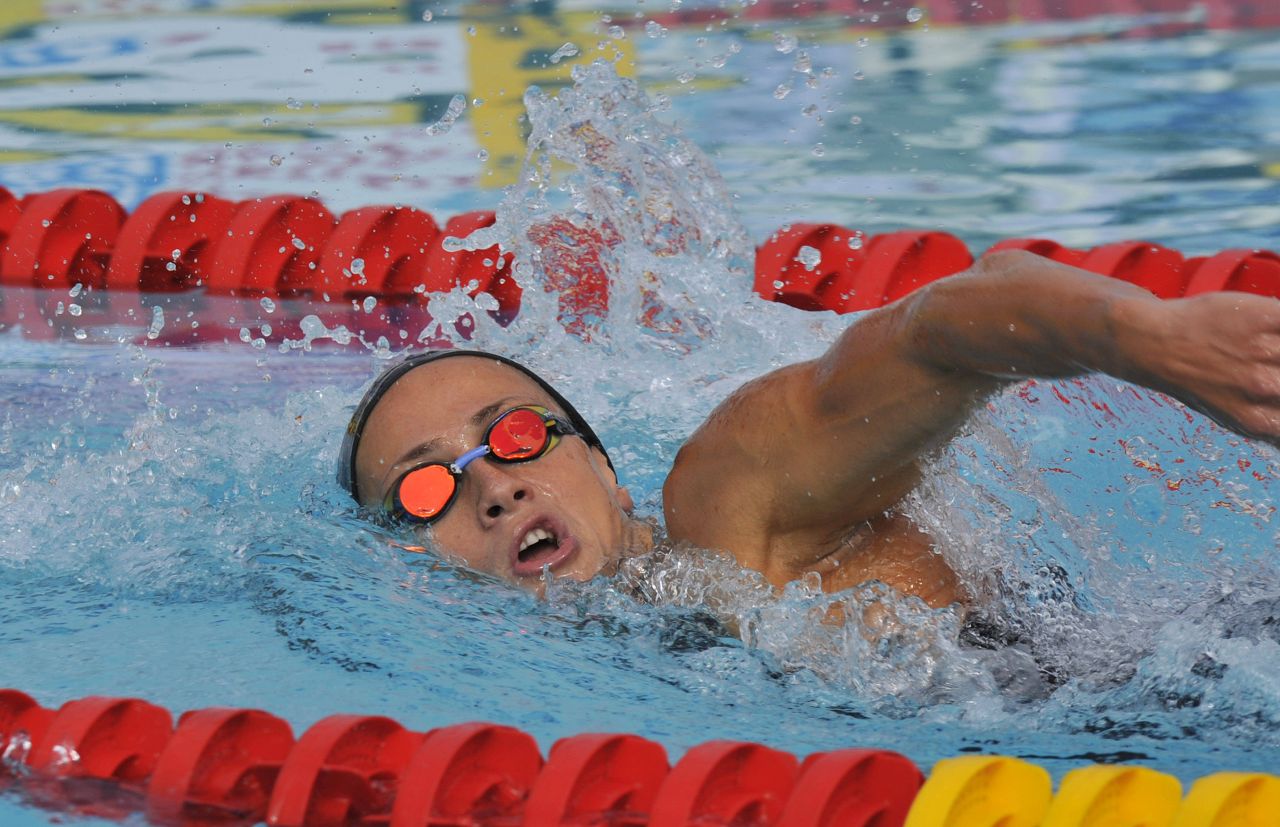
{"points": [[61, 237], [601, 779], [168, 242], [220, 764], [467, 774], [858, 788], [379, 251], [272, 247], [725, 782], [343, 769]]}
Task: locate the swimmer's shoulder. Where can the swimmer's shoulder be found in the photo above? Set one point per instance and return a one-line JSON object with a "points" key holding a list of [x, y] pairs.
{"points": [[710, 501]]}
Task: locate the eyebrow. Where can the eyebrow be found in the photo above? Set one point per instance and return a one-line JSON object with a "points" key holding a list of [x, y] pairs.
{"points": [[432, 446]]}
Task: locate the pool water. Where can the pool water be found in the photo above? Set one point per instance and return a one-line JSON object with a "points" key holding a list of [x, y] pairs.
{"points": [[169, 523]]}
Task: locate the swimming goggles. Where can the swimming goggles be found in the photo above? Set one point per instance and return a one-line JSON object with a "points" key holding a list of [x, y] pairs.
{"points": [[423, 494]]}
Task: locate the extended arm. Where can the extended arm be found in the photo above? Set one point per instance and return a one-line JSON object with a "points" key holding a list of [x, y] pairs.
{"points": [[790, 463]]}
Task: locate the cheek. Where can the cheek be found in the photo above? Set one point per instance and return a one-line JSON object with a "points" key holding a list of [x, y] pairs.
{"points": [[455, 540]]}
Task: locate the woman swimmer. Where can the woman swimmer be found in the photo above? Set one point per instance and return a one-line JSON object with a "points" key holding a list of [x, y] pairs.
{"points": [[798, 471]]}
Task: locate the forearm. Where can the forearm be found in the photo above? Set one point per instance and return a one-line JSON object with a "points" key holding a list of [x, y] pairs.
{"points": [[1017, 315]]}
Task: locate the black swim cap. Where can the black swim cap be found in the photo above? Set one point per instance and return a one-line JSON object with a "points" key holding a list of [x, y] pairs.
{"points": [[355, 428]]}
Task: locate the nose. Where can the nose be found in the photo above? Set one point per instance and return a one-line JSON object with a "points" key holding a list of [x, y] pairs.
{"points": [[499, 488]]}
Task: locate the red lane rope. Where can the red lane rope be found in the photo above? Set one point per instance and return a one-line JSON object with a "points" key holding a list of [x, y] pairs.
{"points": [[291, 247], [113, 756]]}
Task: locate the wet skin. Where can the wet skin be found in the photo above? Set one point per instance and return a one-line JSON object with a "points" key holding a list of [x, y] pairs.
{"points": [[803, 469]]}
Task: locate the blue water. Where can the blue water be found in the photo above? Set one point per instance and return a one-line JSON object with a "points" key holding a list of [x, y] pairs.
{"points": [[170, 528]]}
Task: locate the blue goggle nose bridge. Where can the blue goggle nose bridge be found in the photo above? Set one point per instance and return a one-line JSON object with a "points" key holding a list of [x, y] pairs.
{"points": [[469, 457]]}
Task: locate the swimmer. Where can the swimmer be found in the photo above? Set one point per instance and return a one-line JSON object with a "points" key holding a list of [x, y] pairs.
{"points": [[801, 470]]}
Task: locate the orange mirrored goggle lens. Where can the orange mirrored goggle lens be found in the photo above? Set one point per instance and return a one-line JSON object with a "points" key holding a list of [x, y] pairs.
{"points": [[521, 434], [426, 491]]}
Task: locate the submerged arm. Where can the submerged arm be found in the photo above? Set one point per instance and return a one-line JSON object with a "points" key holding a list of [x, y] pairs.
{"points": [[795, 460]]}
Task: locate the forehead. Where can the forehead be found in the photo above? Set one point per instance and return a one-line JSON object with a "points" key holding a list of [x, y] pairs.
{"points": [[437, 400]]}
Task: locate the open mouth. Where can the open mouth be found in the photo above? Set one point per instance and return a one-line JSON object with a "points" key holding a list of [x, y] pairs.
{"points": [[541, 547]]}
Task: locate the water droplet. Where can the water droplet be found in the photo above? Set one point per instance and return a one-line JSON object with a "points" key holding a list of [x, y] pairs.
{"points": [[858, 75], [810, 257], [785, 43], [819, 150], [655, 29], [810, 110], [293, 103], [483, 155], [267, 121], [157, 321], [914, 15], [617, 33], [457, 105], [75, 291], [864, 42], [74, 309], [685, 77], [855, 119], [369, 303], [170, 266], [778, 284], [782, 91], [567, 50], [471, 30], [276, 160], [299, 244], [46, 223], [427, 15], [245, 335], [856, 241], [266, 330], [357, 266], [803, 64], [80, 334], [267, 304]]}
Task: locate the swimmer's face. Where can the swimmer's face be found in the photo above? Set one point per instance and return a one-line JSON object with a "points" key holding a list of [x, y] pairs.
{"points": [[569, 492]]}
